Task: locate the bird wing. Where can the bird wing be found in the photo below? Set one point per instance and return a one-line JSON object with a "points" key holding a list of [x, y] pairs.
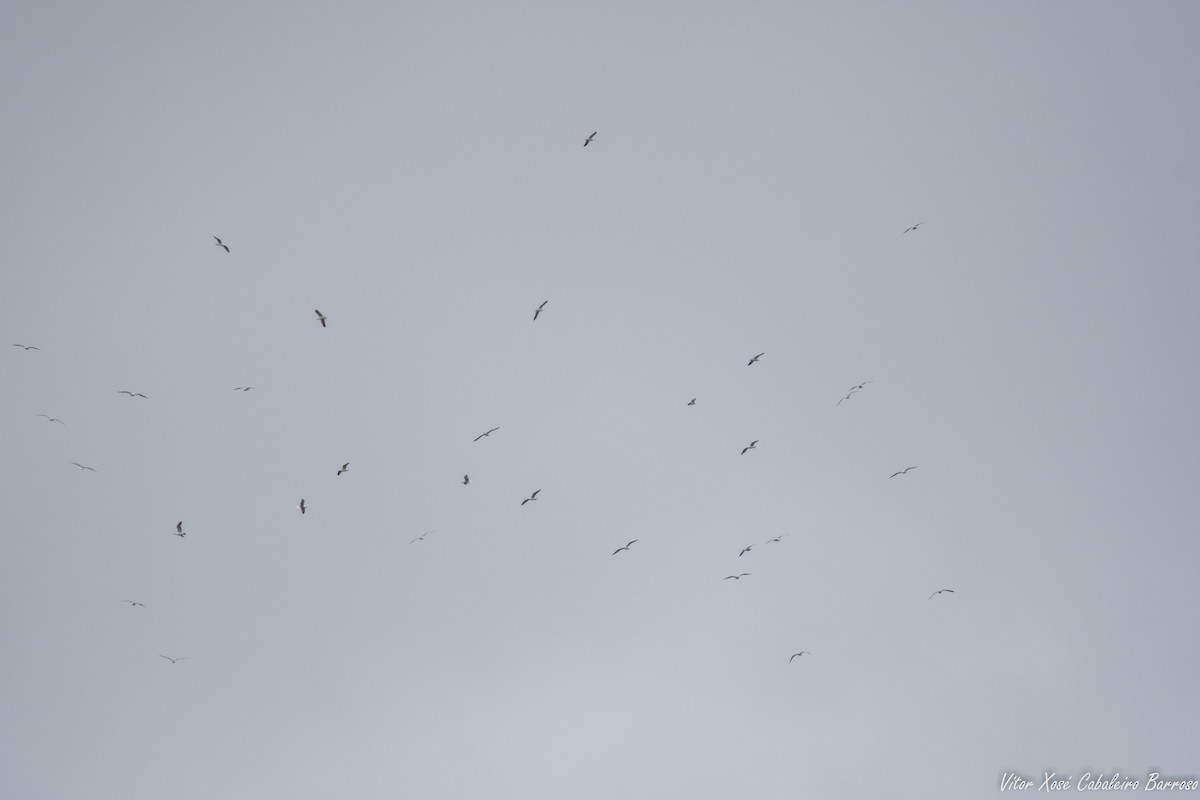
{"points": [[535, 494]]}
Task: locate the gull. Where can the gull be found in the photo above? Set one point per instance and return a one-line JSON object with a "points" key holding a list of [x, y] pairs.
{"points": [[133, 394], [179, 531], [539, 310], [345, 468], [750, 446], [81, 466], [172, 660], [939, 591], [626, 547], [52, 419], [486, 433], [901, 472], [133, 603], [27, 346], [466, 479], [801, 653], [588, 140], [776, 539], [860, 386], [421, 538], [531, 497], [242, 388], [302, 507], [745, 550], [221, 244], [913, 227], [737, 577], [321, 317], [847, 397], [756, 358], [692, 402]]}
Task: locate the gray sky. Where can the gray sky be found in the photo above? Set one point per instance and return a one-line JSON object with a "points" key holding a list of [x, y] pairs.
{"points": [[415, 171]]}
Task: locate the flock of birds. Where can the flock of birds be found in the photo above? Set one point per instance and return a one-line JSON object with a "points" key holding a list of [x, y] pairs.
{"points": [[466, 480]]}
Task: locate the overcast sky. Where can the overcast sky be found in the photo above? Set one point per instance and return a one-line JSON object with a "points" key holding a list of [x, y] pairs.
{"points": [[416, 172]]}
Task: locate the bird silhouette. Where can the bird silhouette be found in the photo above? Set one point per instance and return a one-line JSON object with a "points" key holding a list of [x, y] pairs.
{"points": [[302, 506], [486, 433], [692, 402], [901, 472], [737, 577], [939, 591], [756, 358], [52, 419], [242, 388], [797, 655], [321, 317], [173, 660], [179, 531], [133, 603], [588, 140], [345, 468], [847, 397], [421, 538], [913, 227], [745, 550], [626, 547], [531, 497], [27, 346], [81, 466], [221, 244], [538, 310], [776, 539], [751, 446], [466, 479], [133, 394]]}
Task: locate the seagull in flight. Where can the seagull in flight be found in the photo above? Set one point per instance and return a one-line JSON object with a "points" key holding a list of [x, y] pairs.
{"points": [[913, 227], [466, 479], [692, 402], [745, 550], [901, 472], [588, 140], [531, 497], [486, 433], [242, 388], [939, 591], [539, 310], [345, 468], [626, 547], [756, 358], [750, 446], [27, 346], [776, 539], [133, 394], [737, 577], [847, 397], [302, 507], [52, 419], [421, 538], [321, 317], [81, 466], [133, 603], [179, 531], [801, 653], [221, 244], [172, 660]]}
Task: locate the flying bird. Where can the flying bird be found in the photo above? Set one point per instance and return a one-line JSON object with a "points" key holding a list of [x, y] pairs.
{"points": [[692, 402], [847, 397], [321, 317], [750, 446], [179, 531], [539, 310], [221, 244], [860, 386], [242, 388], [133, 394], [913, 227], [531, 497], [801, 653], [52, 419], [737, 577], [302, 507], [486, 433], [133, 603], [745, 550], [939, 591], [756, 358], [27, 346], [421, 538], [466, 479], [345, 468], [776, 539], [81, 466], [901, 472], [588, 140], [626, 547], [172, 660]]}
